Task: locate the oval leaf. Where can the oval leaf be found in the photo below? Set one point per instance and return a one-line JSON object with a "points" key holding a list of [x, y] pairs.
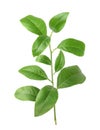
{"points": [[60, 61], [40, 45], [45, 100], [70, 76], [43, 59], [34, 25], [33, 72], [27, 93], [73, 46], [57, 22]]}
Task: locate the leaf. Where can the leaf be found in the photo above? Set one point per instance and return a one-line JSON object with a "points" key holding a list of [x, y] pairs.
{"points": [[43, 59], [27, 93], [34, 25], [33, 72], [58, 22], [45, 100], [40, 45], [70, 76], [73, 46], [60, 61]]}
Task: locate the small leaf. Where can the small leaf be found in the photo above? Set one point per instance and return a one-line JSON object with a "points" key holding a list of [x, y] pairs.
{"points": [[43, 59], [40, 45], [27, 93], [73, 46], [33, 72], [34, 25], [45, 100], [60, 61], [70, 76], [58, 22]]}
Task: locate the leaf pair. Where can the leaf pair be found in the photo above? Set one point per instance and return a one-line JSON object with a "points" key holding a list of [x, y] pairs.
{"points": [[37, 25], [45, 98]]}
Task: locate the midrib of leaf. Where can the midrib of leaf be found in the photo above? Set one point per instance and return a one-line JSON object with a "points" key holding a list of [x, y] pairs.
{"points": [[68, 49], [61, 17], [45, 101], [39, 48], [34, 25], [68, 79], [36, 74], [59, 61]]}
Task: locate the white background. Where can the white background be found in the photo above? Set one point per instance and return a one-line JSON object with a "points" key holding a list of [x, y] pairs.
{"points": [[78, 107]]}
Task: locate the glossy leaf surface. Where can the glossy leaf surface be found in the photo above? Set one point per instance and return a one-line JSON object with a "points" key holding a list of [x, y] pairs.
{"points": [[43, 59], [34, 24], [73, 46], [40, 45], [60, 61], [46, 99], [70, 76], [33, 72], [58, 22], [27, 93]]}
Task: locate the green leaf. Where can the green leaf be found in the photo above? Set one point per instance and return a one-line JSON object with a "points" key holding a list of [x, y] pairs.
{"points": [[45, 100], [40, 45], [60, 61], [27, 93], [58, 22], [70, 76], [33, 72], [73, 46], [43, 59], [34, 25]]}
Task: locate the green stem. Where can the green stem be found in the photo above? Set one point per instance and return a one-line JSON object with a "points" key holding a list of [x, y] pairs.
{"points": [[52, 77]]}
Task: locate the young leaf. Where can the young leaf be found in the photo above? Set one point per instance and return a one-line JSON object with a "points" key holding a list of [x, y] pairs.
{"points": [[33, 72], [60, 61], [45, 100], [34, 25], [40, 45], [43, 59], [27, 93], [57, 22], [73, 46], [70, 76]]}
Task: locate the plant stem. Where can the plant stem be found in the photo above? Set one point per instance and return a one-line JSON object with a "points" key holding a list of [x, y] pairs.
{"points": [[52, 78]]}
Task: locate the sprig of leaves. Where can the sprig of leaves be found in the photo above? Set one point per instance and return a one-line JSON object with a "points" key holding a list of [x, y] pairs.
{"points": [[46, 97]]}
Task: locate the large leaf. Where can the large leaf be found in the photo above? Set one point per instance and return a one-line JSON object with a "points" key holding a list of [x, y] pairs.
{"points": [[73, 46], [60, 61], [57, 22], [27, 93], [70, 76], [33, 72], [45, 100], [34, 24], [43, 59], [40, 45]]}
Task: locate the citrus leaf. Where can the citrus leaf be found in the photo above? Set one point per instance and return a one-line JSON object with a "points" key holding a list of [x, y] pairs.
{"points": [[34, 25], [33, 72], [45, 100], [73, 46], [70, 76], [43, 59], [26, 93], [40, 45], [58, 22], [60, 61]]}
